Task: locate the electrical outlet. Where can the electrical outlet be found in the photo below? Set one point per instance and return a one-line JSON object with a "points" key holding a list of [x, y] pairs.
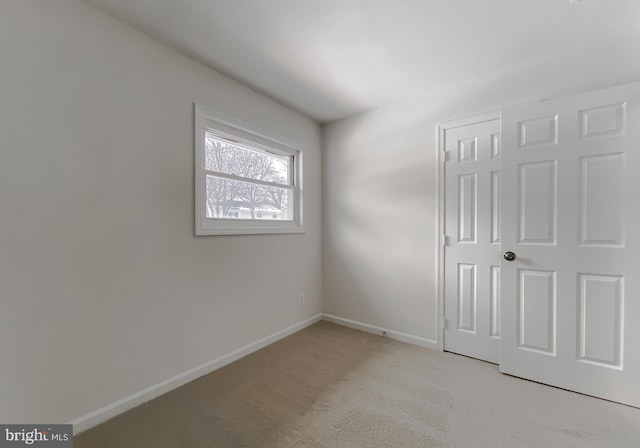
{"points": [[301, 299]]}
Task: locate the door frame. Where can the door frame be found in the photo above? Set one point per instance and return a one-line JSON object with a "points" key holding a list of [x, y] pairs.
{"points": [[441, 130]]}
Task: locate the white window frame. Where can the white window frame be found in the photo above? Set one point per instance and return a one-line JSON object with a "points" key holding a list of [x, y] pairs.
{"points": [[225, 126]]}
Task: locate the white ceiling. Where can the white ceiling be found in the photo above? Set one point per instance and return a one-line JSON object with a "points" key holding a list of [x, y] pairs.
{"points": [[333, 58]]}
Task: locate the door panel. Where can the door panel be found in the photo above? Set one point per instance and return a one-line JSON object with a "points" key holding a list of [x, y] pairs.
{"points": [[472, 226], [600, 319], [467, 204], [537, 184], [601, 200], [536, 311], [495, 207], [570, 173], [494, 294]]}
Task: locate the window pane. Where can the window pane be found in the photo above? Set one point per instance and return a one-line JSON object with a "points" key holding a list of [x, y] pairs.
{"points": [[230, 199], [227, 157]]}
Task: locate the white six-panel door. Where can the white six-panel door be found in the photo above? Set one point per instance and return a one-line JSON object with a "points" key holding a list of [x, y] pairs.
{"points": [[472, 233], [570, 311]]}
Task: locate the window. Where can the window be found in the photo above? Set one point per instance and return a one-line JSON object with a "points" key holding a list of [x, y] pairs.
{"points": [[247, 179]]}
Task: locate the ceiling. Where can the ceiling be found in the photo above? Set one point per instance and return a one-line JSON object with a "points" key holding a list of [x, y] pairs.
{"points": [[333, 58]]}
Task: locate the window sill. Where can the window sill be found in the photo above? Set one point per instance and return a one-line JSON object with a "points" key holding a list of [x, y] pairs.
{"points": [[250, 228]]}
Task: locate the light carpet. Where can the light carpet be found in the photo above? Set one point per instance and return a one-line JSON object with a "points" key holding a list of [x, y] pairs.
{"points": [[328, 386]]}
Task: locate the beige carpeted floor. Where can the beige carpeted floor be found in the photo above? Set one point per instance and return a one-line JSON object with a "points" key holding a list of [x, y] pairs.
{"points": [[329, 386]]}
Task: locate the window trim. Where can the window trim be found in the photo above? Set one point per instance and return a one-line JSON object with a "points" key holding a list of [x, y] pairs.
{"points": [[225, 126]]}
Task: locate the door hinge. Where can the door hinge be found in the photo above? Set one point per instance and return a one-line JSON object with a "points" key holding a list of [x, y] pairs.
{"points": [[445, 323], [446, 157], [444, 240]]}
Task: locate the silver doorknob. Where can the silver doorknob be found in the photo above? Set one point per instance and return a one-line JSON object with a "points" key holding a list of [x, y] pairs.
{"points": [[509, 256]]}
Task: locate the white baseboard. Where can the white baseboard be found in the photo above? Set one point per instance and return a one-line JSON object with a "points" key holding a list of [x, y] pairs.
{"points": [[404, 337], [118, 407]]}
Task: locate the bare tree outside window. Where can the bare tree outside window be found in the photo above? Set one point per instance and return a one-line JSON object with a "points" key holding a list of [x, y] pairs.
{"points": [[243, 182]]}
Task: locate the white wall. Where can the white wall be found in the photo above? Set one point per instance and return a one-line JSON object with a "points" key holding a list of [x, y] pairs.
{"points": [[379, 187], [104, 289]]}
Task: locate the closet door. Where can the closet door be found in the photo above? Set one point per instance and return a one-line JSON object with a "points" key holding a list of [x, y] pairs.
{"points": [[570, 309], [472, 249]]}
